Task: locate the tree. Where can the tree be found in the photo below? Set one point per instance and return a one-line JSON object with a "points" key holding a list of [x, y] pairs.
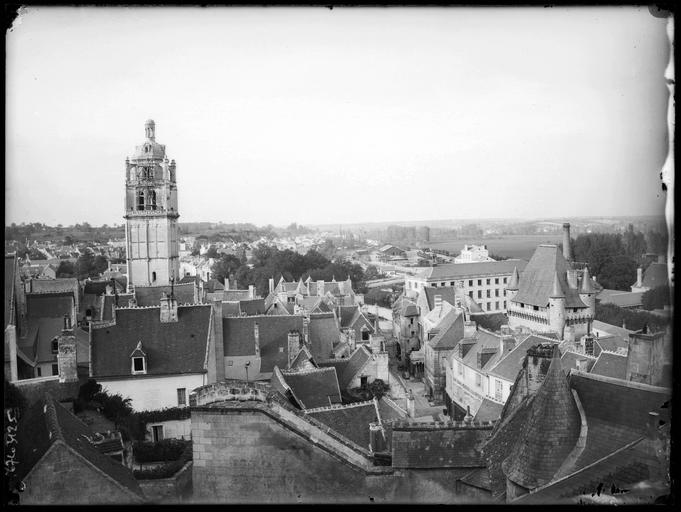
{"points": [[212, 252], [656, 298], [634, 244], [618, 273], [66, 269], [372, 273], [223, 267], [99, 265], [85, 264]]}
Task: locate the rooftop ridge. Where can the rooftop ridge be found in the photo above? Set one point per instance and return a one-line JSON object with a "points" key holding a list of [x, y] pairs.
{"points": [[398, 424], [50, 412], [621, 382], [339, 406], [307, 371]]}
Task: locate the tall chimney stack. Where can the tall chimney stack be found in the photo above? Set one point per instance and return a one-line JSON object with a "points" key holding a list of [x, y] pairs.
{"points": [[567, 245]]}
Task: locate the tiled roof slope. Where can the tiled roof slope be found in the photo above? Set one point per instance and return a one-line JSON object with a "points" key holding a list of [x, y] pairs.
{"points": [[323, 334], [489, 410], [239, 339], [537, 280], [512, 362], [550, 433], [569, 361], [655, 275], [611, 329], [110, 301], [47, 422], [610, 364], [171, 348], [63, 284], [357, 360], [53, 305], [464, 270], [10, 268], [252, 307], [440, 447], [450, 332], [351, 421], [313, 388], [151, 295]]}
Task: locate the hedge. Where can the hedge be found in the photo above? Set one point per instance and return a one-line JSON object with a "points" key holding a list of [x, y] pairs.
{"points": [[167, 470], [166, 450]]}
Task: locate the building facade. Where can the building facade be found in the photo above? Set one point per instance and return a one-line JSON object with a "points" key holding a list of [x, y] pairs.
{"points": [[151, 214]]}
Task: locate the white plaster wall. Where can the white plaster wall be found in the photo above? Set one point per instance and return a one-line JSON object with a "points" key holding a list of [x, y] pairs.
{"points": [[175, 429], [152, 393]]}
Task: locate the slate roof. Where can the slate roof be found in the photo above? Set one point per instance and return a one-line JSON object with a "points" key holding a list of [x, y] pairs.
{"points": [[405, 306], [34, 390], [62, 284], [550, 433], [489, 410], [313, 388], [47, 422], [450, 332], [213, 285], [620, 298], [303, 359], [484, 341], [323, 334], [171, 348], [537, 280], [610, 364], [49, 305], [252, 307], [655, 275], [48, 329], [238, 338], [569, 360], [508, 367], [349, 367], [235, 295], [479, 478], [611, 329], [151, 295], [110, 301], [10, 268], [469, 270], [351, 421], [613, 344], [439, 447]]}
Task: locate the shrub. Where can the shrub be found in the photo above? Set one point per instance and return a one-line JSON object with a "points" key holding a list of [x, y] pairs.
{"points": [[167, 470], [165, 450]]}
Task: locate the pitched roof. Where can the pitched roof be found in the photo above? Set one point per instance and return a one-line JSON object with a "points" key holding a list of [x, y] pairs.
{"points": [[151, 295], [484, 342], [230, 309], [610, 364], [349, 367], [447, 293], [612, 344], [323, 334], [110, 301], [469, 270], [47, 422], [489, 410], [235, 295], [303, 360], [404, 306], [62, 284], [655, 275], [438, 446], [621, 299], [239, 339], [171, 348], [313, 388], [569, 360], [536, 284], [611, 329], [49, 305], [550, 434], [511, 363], [450, 332], [351, 421], [252, 307]]}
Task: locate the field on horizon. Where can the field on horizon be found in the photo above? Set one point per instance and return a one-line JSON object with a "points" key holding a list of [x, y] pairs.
{"points": [[510, 246]]}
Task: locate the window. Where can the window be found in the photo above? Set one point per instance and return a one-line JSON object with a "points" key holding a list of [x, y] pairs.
{"points": [[489, 306], [535, 308], [470, 294], [496, 305], [152, 200], [479, 282], [478, 379], [153, 277], [496, 292], [55, 369], [434, 285], [140, 200], [479, 294], [488, 281], [139, 365], [231, 363], [496, 280], [451, 284], [470, 282], [157, 433], [55, 346], [365, 335], [504, 304], [505, 280], [181, 396], [488, 294], [497, 389], [281, 349], [411, 321]]}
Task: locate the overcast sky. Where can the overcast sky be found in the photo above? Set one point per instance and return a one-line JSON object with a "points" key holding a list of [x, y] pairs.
{"points": [[345, 115]]}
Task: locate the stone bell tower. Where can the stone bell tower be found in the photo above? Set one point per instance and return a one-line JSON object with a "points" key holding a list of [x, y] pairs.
{"points": [[151, 231]]}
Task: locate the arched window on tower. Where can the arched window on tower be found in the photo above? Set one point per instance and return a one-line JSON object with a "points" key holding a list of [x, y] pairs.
{"points": [[152, 199], [140, 200], [153, 277]]}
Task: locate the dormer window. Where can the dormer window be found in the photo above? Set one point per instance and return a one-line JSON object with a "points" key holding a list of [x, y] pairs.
{"points": [[138, 360]]}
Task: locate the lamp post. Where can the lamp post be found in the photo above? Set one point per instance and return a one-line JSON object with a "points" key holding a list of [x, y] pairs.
{"points": [[248, 363]]}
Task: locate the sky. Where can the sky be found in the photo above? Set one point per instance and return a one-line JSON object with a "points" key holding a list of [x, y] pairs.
{"points": [[316, 116]]}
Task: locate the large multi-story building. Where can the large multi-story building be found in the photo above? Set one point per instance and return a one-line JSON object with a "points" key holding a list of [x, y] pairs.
{"points": [[151, 230], [484, 282]]}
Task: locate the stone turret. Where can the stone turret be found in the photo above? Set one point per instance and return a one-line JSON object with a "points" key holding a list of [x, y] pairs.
{"points": [[587, 294], [512, 287], [557, 307], [567, 242]]}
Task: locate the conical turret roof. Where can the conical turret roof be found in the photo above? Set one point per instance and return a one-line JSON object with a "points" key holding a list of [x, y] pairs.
{"points": [[587, 284], [552, 429], [557, 289], [513, 284]]}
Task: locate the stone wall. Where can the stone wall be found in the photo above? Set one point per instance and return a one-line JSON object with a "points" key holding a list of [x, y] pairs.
{"points": [[247, 453], [169, 490]]}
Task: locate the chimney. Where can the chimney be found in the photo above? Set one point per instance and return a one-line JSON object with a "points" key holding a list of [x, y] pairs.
{"points": [[469, 329], [468, 419], [216, 372], [411, 406], [567, 243], [306, 330], [537, 364], [168, 309], [639, 277], [352, 339], [507, 344], [376, 438], [256, 338], [581, 365], [437, 301], [271, 284], [320, 287], [588, 345], [251, 291], [293, 346], [67, 351]]}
